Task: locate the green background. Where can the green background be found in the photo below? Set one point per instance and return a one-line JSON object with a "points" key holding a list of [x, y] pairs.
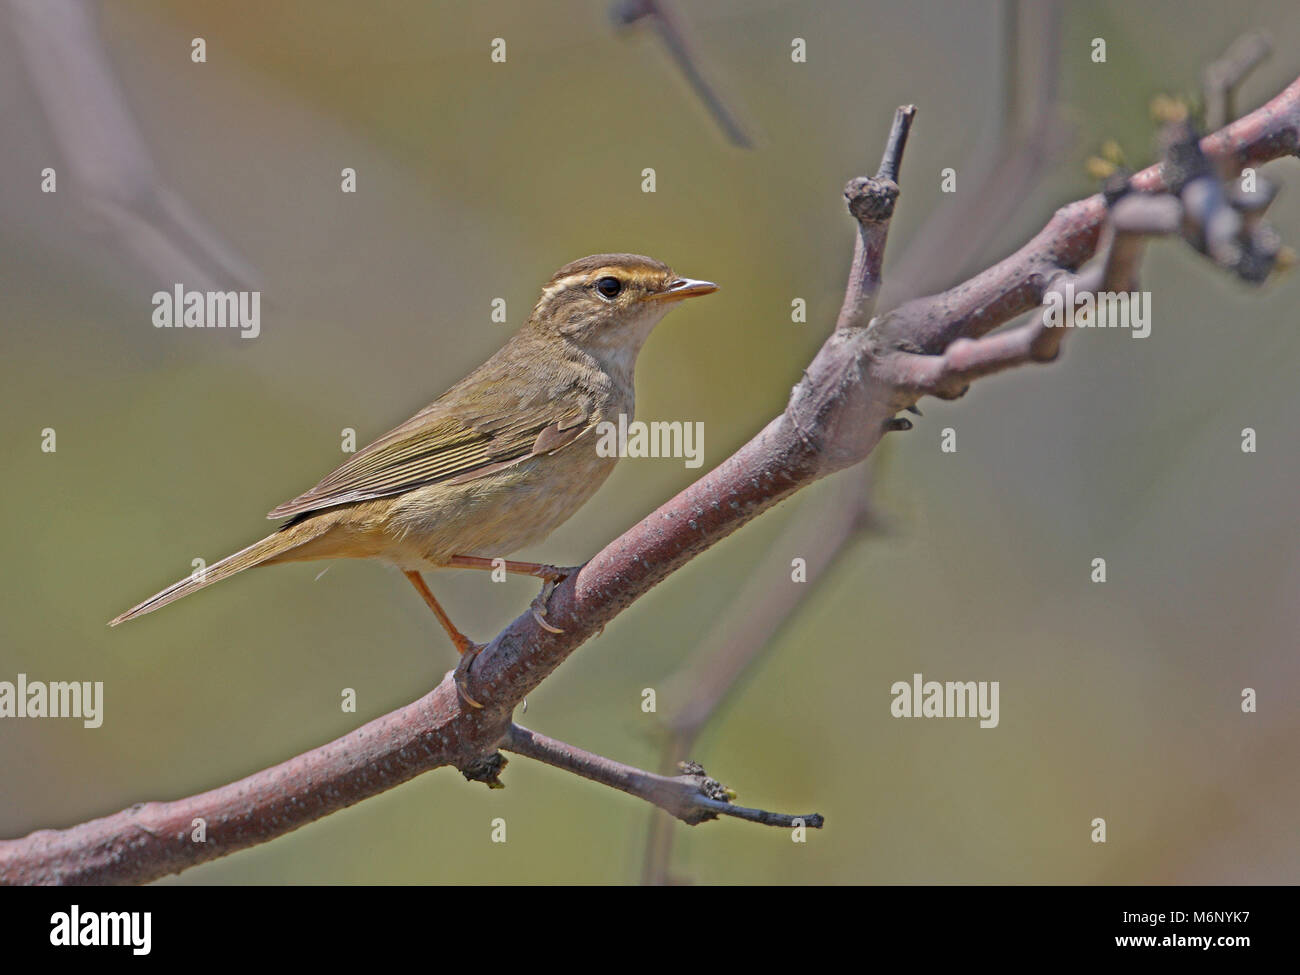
{"points": [[477, 180]]}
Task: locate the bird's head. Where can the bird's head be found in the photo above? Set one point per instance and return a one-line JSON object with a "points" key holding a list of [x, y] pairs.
{"points": [[607, 304]]}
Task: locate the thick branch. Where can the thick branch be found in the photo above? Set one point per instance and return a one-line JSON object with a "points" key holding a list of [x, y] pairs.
{"points": [[150, 840]]}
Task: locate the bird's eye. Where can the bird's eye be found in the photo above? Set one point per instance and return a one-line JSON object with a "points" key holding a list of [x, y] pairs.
{"points": [[609, 287]]}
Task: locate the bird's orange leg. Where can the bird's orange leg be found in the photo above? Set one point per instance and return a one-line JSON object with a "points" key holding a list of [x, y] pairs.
{"points": [[550, 575], [467, 648], [463, 643]]}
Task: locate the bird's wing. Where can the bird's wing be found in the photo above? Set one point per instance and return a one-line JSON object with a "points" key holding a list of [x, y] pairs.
{"points": [[446, 442]]}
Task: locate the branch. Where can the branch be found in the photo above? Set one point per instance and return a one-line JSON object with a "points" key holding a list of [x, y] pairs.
{"points": [[836, 415], [1197, 208], [692, 797], [871, 201]]}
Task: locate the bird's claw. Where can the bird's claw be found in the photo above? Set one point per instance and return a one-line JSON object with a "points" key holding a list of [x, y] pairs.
{"points": [[552, 575], [461, 675], [540, 604]]}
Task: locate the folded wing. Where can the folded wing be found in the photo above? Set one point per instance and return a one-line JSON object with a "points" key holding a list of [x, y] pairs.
{"points": [[445, 442]]}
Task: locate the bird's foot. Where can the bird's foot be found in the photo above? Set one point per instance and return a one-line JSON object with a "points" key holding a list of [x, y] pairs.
{"points": [[461, 675], [552, 575], [542, 603]]}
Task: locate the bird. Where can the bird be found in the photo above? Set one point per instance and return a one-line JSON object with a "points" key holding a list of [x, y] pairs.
{"points": [[495, 463]]}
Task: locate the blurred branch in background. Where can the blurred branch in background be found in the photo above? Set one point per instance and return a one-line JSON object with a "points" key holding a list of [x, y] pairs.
{"points": [[1220, 80], [113, 173], [845, 404], [1029, 133], [1007, 167], [667, 25]]}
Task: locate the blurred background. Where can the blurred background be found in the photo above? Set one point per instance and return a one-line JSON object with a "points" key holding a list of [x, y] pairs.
{"points": [[476, 180]]}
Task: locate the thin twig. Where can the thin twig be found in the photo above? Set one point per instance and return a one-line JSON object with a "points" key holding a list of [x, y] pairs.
{"points": [[871, 200], [693, 797]]}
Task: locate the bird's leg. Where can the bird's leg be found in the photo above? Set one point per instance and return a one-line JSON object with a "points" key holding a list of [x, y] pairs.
{"points": [[463, 643], [467, 648], [551, 576]]}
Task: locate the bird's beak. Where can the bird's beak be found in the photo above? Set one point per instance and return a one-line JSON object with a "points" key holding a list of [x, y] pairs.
{"points": [[684, 288]]}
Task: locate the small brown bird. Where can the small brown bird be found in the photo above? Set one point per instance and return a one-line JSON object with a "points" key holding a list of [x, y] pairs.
{"points": [[499, 460]]}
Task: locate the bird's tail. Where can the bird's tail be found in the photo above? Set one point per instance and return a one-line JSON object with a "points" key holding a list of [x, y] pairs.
{"points": [[276, 547]]}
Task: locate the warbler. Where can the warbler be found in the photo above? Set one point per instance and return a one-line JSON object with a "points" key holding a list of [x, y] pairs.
{"points": [[498, 461]]}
